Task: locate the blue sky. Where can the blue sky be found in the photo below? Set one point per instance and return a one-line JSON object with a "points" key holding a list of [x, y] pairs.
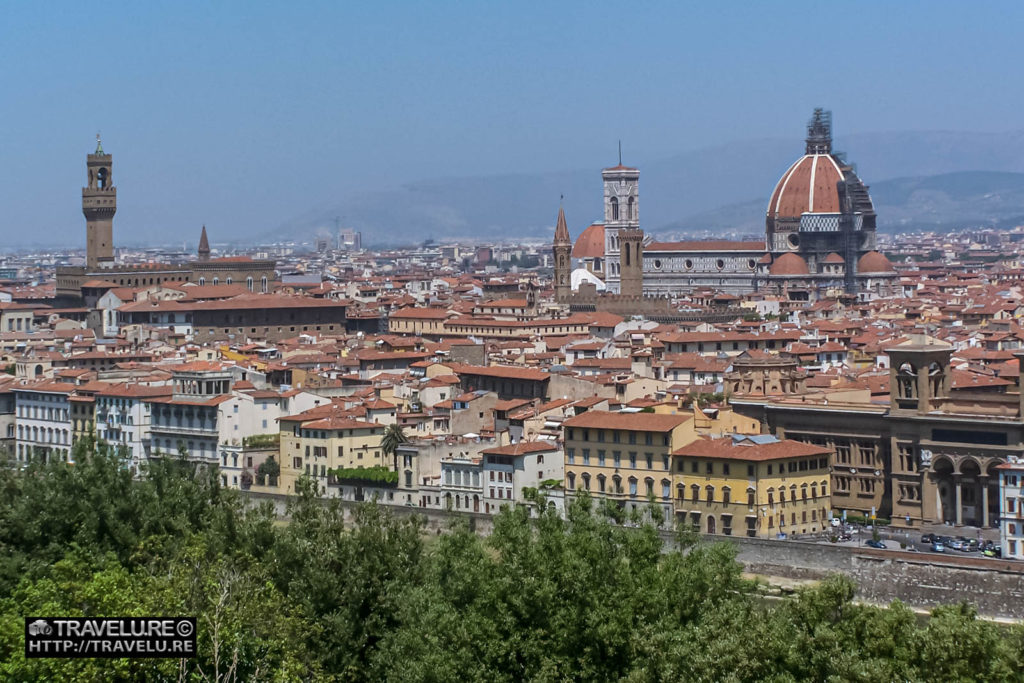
{"points": [[242, 115]]}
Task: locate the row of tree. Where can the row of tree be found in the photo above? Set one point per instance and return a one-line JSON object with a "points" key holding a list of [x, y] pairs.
{"points": [[372, 597]]}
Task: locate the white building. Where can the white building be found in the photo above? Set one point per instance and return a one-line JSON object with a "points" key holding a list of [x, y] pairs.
{"points": [[43, 421], [123, 417], [1011, 507], [509, 469]]}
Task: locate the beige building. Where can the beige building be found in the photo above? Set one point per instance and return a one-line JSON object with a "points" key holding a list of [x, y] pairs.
{"points": [[320, 440], [624, 456]]}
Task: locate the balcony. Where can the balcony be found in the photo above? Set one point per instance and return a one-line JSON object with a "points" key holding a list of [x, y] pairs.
{"points": [[193, 430]]}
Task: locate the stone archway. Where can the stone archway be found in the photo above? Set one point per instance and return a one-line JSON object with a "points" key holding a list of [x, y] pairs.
{"points": [[943, 474], [968, 489]]}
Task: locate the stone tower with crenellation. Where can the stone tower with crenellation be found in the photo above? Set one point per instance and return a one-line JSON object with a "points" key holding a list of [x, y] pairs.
{"points": [[99, 204]]}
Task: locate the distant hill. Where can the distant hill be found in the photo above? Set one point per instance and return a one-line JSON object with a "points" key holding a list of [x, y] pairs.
{"points": [[935, 179], [938, 202]]}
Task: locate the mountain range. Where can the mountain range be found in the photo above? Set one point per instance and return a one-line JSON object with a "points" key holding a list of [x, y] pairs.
{"points": [[919, 180]]}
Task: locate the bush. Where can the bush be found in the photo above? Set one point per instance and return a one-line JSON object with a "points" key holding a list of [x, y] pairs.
{"points": [[374, 475]]}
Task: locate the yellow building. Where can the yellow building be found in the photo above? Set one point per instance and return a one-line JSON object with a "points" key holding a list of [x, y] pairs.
{"points": [[321, 439], [753, 485], [624, 456]]}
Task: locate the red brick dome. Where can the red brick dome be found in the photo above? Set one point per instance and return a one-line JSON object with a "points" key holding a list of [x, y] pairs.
{"points": [[808, 186], [590, 243], [789, 264], [833, 258], [874, 262]]}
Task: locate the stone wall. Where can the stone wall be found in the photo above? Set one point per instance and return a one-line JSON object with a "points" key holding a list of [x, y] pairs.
{"points": [[995, 587]]}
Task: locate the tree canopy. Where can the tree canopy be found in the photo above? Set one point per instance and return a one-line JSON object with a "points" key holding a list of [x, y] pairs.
{"points": [[364, 593]]}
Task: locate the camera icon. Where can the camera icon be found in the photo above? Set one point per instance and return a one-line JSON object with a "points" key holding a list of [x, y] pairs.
{"points": [[40, 627]]}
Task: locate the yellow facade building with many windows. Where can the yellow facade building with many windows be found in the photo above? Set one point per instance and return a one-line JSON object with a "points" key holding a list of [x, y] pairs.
{"points": [[752, 485], [624, 456], [319, 440]]}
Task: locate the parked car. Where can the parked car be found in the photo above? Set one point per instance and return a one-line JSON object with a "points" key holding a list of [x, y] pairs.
{"points": [[927, 538], [938, 547], [994, 551], [872, 543], [956, 544], [970, 546]]}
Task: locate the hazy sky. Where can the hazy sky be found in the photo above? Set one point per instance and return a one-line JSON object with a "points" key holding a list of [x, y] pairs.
{"points": [[242, 115]]}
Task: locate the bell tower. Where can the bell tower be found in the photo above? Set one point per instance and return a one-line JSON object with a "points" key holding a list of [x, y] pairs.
{"points": [[562, 249], [621, 213], [99, 204]]}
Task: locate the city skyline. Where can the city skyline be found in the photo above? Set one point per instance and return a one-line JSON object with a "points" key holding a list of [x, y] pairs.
{"points": [[216, 108]]}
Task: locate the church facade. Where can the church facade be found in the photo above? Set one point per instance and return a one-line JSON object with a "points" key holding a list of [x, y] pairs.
{"points": [[819, 239]]}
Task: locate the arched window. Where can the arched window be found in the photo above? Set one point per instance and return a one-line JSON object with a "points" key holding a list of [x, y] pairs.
{"points": [[726, 492], [572, 481], [586, 481], [680, 493], [649, 486], [600, 483], [771, 496], [632, 486], [216, 280], [248, 283], [263, 284], [695, 493], [228, 280], [615, 208], [824, 489], [631, 206], [782, 497], [710, 491], [617, 481]]}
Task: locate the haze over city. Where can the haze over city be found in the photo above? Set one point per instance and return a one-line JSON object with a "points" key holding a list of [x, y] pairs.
{"points": [[268, 121]]}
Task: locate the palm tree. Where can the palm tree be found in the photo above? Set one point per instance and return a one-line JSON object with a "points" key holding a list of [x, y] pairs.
{"points": [[393, 438]]}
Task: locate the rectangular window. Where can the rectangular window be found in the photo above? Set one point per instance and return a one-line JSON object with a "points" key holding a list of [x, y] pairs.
{"points": [[665, 462], [600, 458], [709, 468], [617, 458], [586, 456], [570, 453], [648, 439], [632, 438], [649, 457], [600, 436], [632, 487], [632, 460]]}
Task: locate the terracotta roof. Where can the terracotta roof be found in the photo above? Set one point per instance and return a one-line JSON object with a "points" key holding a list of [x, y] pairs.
{"points": [[706, 245], [833, 258], [421, 313], [728, 449], [636, 422], [590, 243], [523, 448]]}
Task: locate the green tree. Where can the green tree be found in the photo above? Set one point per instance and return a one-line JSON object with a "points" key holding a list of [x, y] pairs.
{"points": [[394, 436]]}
